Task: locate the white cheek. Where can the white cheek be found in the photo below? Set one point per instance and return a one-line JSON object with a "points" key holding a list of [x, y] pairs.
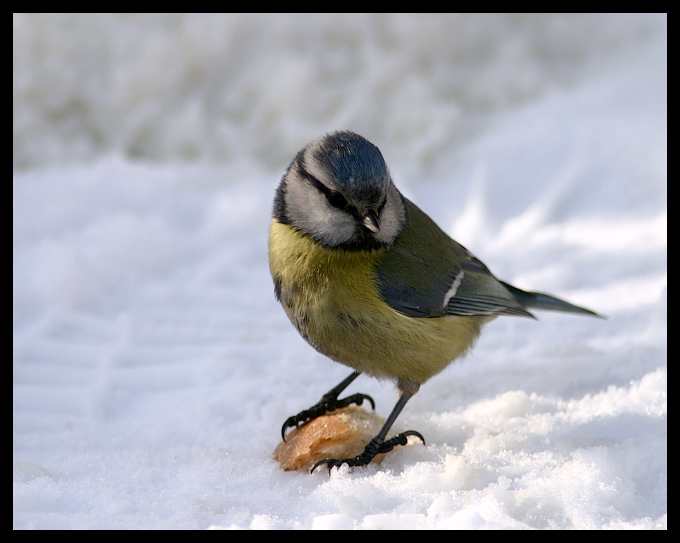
{"points": [[323, 221], [392, 218]]}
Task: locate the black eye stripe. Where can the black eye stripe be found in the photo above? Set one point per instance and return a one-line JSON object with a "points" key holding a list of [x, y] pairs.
{"points": [[338, 200], [334, 198]]}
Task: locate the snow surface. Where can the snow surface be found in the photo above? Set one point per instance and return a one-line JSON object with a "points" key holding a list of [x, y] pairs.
{"points": [[152, 367]]}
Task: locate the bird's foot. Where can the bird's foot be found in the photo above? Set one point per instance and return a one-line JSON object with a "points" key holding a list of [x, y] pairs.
{"points": [[375, 446], [327, 404]]}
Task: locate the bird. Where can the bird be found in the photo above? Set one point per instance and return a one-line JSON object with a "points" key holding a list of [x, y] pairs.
{"points": [[371, 282]]}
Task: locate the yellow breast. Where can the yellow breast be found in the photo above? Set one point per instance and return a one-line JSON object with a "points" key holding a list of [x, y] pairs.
{"points": [[331, 297]]}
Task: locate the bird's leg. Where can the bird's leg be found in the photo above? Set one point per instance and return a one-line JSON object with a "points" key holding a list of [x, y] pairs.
{"points": [[378, 444], [329, 402]]}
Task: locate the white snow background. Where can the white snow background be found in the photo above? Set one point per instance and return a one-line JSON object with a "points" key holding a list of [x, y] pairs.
{"points": [[152, 367]]}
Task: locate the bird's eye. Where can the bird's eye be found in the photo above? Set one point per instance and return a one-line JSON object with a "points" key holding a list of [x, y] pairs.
{"points": [[334, 198], [337, 200]]}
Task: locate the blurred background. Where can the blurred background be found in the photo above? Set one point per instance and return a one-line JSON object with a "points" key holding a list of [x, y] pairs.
{"points": [[152, 366], [243, 88]]}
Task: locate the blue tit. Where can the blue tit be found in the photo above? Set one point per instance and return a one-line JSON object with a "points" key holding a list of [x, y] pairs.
{"points": [[370, 281]]}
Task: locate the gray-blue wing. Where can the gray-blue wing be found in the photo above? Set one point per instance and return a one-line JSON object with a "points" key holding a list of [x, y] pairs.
{"points": [[427, 274]]}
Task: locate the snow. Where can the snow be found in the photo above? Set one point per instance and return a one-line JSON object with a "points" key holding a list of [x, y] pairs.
{"points": [[152, 367]]}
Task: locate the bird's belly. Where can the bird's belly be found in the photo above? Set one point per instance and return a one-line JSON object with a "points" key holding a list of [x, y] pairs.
{"points": [[333, 300], [375, 339]]}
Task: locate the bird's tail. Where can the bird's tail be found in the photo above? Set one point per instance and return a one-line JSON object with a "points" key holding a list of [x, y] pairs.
{"points": [[539, 300]]}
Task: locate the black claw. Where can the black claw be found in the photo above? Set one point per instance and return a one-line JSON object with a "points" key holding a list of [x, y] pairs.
{"points": [[326, 405], [375, 446], [356, 399], [400, 439], [290, 422], [334, 463]]}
